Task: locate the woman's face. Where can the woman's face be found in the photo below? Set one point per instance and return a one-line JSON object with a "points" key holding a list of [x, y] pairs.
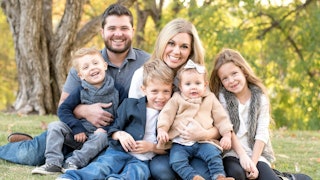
{"points": [[178, 50]]}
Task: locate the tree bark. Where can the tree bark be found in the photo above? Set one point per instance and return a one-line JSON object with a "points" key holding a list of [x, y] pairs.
{"points": [[42, 53]]}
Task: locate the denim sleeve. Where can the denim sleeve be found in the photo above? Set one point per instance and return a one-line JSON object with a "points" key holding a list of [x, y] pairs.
{"points": [[72, 81]]}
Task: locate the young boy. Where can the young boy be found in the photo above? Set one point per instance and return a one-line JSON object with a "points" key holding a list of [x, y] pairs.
{"points": [[133, 132], [95, 87]]}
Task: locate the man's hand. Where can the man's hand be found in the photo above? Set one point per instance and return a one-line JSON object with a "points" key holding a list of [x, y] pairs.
{"points": [[95, 114], [81, 137]]}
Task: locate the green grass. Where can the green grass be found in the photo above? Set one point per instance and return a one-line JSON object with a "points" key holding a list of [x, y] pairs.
{"points": [[296, 151]]}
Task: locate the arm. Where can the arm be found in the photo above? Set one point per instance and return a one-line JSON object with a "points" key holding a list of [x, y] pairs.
{"points": [[246, 163], [136, 83], [65, 111], [197, 133]]}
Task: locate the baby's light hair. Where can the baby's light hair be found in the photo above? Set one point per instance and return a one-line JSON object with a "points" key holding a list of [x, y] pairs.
{"points": [[194, 70], [157, 70]]}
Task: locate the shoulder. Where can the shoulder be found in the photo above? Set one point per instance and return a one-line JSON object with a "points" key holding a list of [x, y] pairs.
{"points": [[141, 53]]}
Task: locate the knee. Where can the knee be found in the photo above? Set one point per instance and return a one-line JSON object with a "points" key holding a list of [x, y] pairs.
{"points": [[55, 124]]}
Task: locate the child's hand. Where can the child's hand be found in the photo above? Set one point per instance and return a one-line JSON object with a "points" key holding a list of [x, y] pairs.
{"points": [[100, 130], [248, 165], [143, 147], [126, 140], [225, 141], [81, 137], [163, 136]]}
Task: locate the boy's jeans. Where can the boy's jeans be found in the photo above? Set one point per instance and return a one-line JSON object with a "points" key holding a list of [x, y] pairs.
{"points": [[113, 163], [180, 155]]}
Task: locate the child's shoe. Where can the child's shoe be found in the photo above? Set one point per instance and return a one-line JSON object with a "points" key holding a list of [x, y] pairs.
{"points": [[221, 177], [46, 169], [69, 166], [198, 177]]}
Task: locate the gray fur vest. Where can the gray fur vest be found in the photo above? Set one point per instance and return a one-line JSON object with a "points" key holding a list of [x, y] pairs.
{"points": [[252, 123]]}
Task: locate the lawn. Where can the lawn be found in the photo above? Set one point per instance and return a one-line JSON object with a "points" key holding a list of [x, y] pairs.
{"points": [[296, 151]]}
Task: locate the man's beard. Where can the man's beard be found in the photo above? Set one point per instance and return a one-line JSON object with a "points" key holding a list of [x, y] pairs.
{"points": [[118, 51]]}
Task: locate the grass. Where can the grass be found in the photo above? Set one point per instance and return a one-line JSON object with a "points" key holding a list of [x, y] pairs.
{"points": [[296, 151]]}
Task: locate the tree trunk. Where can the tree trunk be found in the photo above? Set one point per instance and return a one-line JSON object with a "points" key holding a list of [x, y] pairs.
{"points": [[41, 54]]}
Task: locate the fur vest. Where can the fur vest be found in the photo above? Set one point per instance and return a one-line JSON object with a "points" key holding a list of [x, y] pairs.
{"points": [[252, 123]]}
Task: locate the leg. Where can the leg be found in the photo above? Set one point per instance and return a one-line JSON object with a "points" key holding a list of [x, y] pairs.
{"points": [[134, 169], [179, 160], [160, 168], [233, 168], [212, 156], [201, 167], [265, 172], [55, 138], [29, 152], [110, 162], [95, 143]]}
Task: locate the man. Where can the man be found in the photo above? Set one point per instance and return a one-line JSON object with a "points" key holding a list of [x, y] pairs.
{"points": [[117, 32]]}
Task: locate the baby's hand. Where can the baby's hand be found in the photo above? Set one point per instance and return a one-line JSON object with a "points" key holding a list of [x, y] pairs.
{"points": [[81, 137], [163, 136], [225, 142]]}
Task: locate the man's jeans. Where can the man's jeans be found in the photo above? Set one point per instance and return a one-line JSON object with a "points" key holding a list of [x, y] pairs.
{"points": [[25, 152]]}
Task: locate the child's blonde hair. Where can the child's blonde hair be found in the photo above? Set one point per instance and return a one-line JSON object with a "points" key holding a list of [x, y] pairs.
{"points": [[82, 52], [227, 56], [157, 70]]}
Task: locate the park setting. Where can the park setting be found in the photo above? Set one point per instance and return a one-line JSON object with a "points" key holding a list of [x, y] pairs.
{"points": [[278, 38]]}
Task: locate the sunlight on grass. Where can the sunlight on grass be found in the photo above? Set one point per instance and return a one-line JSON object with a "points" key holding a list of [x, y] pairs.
{"points": [[296, 151]]}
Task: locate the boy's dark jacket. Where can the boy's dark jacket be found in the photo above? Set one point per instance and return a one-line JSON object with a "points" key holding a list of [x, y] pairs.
{"points": [[131, 118]]}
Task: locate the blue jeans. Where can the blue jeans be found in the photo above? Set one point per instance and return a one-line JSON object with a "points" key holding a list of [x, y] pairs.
{"points": [[160, 168], [180, 155], [112, 164], [25, 152]]}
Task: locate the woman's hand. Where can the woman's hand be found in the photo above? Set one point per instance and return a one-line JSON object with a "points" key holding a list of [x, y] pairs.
{"points": [[195, 132]]}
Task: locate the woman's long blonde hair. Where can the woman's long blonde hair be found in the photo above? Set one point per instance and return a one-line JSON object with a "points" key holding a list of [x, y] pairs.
{"points": [[173, 28]]}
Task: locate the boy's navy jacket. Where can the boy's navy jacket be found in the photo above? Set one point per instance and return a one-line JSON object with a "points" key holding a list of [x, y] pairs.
{"points": [[131, 118]]}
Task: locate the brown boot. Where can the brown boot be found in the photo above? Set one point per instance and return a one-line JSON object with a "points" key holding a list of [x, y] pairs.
{"points": [[198, 177], [220, 177], [16, 137]]}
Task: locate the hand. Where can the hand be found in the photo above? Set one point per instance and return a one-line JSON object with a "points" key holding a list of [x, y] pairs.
{"points": [[95, 114], [193, 132], [126, 140], [100, 130], [225, 142], [248, 165], [81, 137], [163, 136], [143, 147]]}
